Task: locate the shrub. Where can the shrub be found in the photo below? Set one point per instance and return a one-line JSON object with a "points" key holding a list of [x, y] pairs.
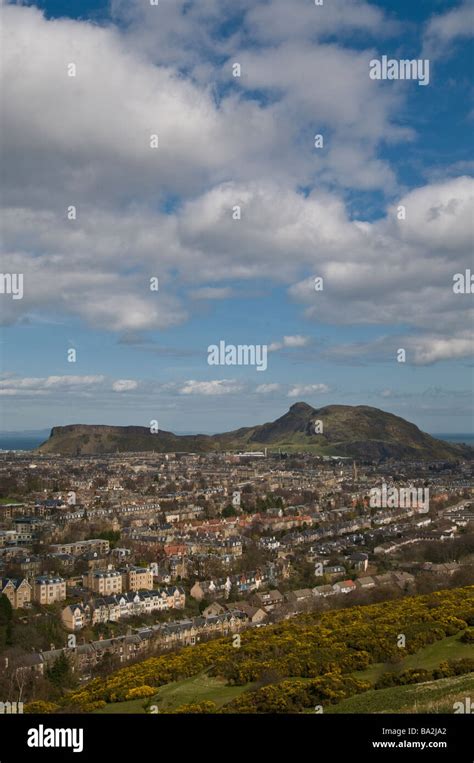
{"points": [[41, 707], [140, 691], [206, 706], [91, 706]]}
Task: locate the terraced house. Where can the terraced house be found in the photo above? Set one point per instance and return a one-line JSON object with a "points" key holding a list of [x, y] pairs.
{"points": [[168, 635], [115, 608], [189, 632], [82, 546], [221, 587]]}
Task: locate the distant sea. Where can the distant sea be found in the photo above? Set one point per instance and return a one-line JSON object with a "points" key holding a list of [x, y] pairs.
{"points": [[31, 440], [22, 440], [467, 439]]}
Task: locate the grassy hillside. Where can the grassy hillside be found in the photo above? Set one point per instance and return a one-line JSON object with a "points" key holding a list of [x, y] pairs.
{"points": [[430, 697], [198, 688], [308, 660], [429, 657], [427, 697]]}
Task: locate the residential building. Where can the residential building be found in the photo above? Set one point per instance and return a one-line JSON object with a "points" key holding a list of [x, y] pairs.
{"points": [[47, 590], [117, 607], [137, 579], [268, 600], [365, 582], [105, 582], [359, 561], [75, 616], [82, 547], [17, 591]]}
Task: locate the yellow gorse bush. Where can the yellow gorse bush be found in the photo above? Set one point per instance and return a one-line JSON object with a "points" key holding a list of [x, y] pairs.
{"points": [[141, 691], [310, 646]]}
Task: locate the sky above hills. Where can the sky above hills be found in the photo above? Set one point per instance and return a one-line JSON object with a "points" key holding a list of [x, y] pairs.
{"points": [[380, 209]]}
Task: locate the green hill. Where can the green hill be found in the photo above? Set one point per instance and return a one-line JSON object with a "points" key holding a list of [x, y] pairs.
{"points": [[348, 431]]}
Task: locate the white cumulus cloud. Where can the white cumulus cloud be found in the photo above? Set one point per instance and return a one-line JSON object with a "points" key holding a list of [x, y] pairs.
{"points": [[124, 385], [289, 341], [266, 389], [215, 387], [298, 390]]}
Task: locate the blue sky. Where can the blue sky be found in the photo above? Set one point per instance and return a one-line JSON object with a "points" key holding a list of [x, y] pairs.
{"points": [[306, 212]]}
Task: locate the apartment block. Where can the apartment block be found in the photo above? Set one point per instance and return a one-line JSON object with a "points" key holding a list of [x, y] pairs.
{"points": [[104, 582], [47, 590], [137, 579]]}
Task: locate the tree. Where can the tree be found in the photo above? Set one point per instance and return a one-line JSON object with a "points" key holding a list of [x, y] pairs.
{"points": [[107, 664], [6, 615], [6, 611], [60, 673], [463, 577]]}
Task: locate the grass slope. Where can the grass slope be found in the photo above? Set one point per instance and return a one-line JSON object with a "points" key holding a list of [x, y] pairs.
{"points": [[451, 648], [427, 697], [189, 691], [430, 697], [397, 699]]}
